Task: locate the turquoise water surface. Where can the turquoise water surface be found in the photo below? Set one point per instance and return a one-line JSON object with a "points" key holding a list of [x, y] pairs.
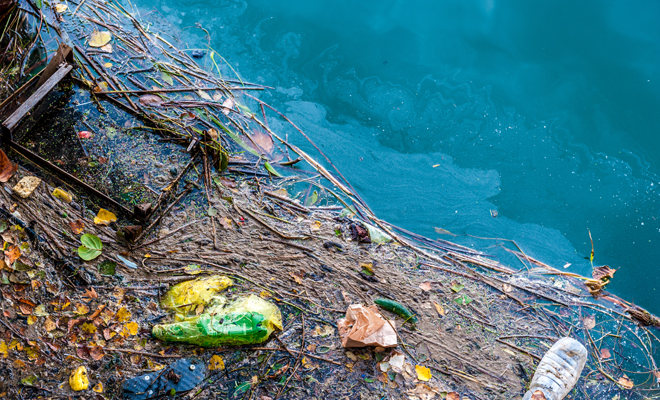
{"points": [[439, 111]]}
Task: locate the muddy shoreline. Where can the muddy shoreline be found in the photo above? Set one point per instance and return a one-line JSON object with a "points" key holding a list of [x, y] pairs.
{"points": [[230, 196]]}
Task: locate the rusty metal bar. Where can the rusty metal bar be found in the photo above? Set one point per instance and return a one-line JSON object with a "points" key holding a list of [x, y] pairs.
{"points": [[63, 174]]}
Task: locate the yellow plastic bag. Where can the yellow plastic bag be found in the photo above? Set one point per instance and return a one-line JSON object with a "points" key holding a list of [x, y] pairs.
{"points": [[185, 297], [78, 379]]}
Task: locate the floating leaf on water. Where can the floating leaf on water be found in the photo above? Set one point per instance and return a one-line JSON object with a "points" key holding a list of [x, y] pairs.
{"points": [[104, 217], [443, 231], [99, 39], [167, 78], [85, 134], [151, 100], [107, 268], [605, 354], [110, 132], [463, 300], [108, 65], [107, 48], [589, 321], [603, 273], [227, 105], [626, 382], [204, 95], [264, 141], [312, 199], [127, 262], [272, 170], [7, 168], [91, 247]]}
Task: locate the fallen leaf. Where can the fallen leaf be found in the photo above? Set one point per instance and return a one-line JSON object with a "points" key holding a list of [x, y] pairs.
{"points": [[107, 48], [108, 65], [131, 328], [457, 287], [31, 320], [99, 39], [315, 226], [423, 373], [216, 362], [589, 321], [425, 286], [104, 217], [506, 288], [151, 100], [604, 273], [123, 315], [85, 134], [422, 392], [296, 277], [626, 382], [439, 309], [12, 254], [463, 300], [90, 294], [605, 354], [49, 325], [88, 327], [60, 8], [204, 95], [77, 226], [264, 141], [453, 396], [7, 168], [81, 309], [62, 195], [98, 388], [227, 106], [91, 246]]}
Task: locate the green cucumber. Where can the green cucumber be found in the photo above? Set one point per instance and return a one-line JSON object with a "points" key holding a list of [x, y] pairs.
{"points": [[397, 308]]}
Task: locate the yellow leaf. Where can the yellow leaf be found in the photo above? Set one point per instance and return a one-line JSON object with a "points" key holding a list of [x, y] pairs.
{"points": [[81, 309], [123, 315], [4, 352], [104, 217], [78, 379], [99, 39], [204, 95], [60, 8], [32, 353], [98, 388], [131, 328], [62, 195], [107, 65], [88, 327], [216, 362], [107, 48], [31, 320], [423, 373], [316, 225], [439, 309]]}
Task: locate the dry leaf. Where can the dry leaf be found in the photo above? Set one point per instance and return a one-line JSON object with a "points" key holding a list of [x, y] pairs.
{"points": [[49, 325], [603, 273], [315, 226], [216, 362], [31, 320], [98, 388], [506, 288], [422, 392], [204, 95], [439, 309], [264, 141], [296, 277], [131, 328], [227, 105], [589, 322], [626, 382], [453, 396], [605, 354], [423, 373], [104, 217], [99, 39], [81, 309], [107, 48], [77, 226], [151, 100], [60, 8], [7, 168], [123, 315], [12, 254], [425, 286]]}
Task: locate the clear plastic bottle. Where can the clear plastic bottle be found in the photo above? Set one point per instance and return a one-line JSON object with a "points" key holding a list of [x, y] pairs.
{"points": [[559, 370]]}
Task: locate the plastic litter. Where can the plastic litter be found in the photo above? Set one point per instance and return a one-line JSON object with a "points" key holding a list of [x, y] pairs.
{"points": [[364, 326], [185, 297], [558, 371], [181, 376], [78, 379], [246, 320]]}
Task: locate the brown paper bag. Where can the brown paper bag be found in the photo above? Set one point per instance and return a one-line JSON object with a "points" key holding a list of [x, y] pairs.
{"points": [[364, 327]]}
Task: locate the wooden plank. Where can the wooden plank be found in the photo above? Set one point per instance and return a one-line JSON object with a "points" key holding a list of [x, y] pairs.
{"points": [[64, 55], [10, 123]]}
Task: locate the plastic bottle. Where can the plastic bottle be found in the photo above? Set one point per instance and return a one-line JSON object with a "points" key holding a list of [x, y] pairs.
{"points": [[559, 370]]}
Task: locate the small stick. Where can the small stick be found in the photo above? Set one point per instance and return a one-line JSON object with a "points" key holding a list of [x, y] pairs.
{"points": [[166, 236], [142, 353], [297, 365]]}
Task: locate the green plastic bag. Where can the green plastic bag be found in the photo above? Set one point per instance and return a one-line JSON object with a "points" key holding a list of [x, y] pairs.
{"points": [[247, 320]]}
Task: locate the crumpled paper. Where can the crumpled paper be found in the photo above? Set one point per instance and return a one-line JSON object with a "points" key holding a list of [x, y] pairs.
{"points": [[363, 326]]}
